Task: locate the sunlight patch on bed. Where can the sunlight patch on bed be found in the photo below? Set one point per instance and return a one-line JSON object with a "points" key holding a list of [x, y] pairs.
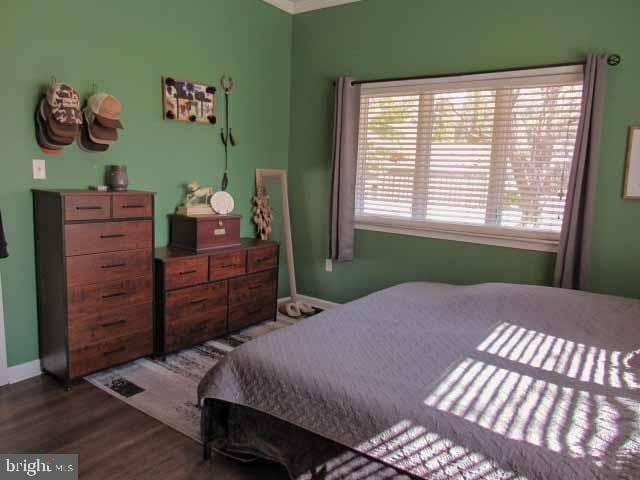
{"points": [[424, 453], [519, 407], [553, 354]]}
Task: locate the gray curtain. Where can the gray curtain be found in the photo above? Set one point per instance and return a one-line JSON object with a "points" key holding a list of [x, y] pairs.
{"points": [[346, 119], [574, 256]]}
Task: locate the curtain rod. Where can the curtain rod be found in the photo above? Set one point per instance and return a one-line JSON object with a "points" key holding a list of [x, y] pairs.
{"points": [[612, 60]]}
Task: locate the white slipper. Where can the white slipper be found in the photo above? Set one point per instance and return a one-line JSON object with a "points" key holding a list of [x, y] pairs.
{"points": [[290, 310]]}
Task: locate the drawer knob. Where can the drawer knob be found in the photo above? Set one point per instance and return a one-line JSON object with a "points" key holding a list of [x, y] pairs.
{"points": [[133, 206], [113, 352], [188, 272], [115, 235], [115, 265], [113, 295], [199, 301], [114, 324], [89, 208]]}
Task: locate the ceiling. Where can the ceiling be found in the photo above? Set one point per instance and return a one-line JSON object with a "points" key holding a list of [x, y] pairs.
{"points": [[301, 6]]}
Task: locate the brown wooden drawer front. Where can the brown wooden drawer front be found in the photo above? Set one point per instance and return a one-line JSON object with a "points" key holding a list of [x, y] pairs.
{"points": [[88, 238], [262, 258], [112, 352], [101, 297], [257, 286], [187, 272], [247, 314], [226, 265], [131, 206], [99, 327], [197, 328], [105, 267], [183, 304], [87, 207]]}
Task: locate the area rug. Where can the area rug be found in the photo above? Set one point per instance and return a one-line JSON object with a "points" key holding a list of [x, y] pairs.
{"points": [[166, 390]]}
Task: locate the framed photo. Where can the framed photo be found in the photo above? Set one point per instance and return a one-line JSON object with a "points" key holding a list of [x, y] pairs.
{"points": [[632, 175], [187, 101]]}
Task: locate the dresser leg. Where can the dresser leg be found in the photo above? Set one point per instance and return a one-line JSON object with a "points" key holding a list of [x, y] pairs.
{"points": [[206, 451]]}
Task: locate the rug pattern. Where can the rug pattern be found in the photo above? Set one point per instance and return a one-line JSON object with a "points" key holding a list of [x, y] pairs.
{"points": [[166, 390]]}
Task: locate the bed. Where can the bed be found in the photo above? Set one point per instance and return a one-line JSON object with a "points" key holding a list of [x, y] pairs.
{"points": [[434, 381]]}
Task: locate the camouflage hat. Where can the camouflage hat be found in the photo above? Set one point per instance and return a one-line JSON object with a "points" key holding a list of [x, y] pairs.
{"points": [[69, 130], [65, 103]]}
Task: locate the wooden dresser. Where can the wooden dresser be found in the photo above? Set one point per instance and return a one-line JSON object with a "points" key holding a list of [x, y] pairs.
{"points": [[200, 296], [94, 267]]}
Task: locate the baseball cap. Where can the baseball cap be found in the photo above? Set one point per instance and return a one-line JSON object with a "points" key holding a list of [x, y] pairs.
{"points": [[106, 109], [67, 130], [65, 103], [86, 144], [41, 139], [97, 132]]}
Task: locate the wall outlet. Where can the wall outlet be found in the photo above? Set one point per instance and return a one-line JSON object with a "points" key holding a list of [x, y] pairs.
{"points": [[39, 170], [328, 265]]}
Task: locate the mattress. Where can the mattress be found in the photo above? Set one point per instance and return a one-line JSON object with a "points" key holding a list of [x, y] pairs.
{"points": [[491, 381]]}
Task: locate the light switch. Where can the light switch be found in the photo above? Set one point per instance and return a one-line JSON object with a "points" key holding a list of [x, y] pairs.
{"points": [[39, 170], [328, 265]]}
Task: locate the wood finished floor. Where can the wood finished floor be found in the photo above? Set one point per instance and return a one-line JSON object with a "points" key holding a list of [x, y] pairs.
{"points": [[112, 439]]}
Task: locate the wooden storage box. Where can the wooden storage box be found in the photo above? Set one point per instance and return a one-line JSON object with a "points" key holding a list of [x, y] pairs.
{"points": [[204, 232]]}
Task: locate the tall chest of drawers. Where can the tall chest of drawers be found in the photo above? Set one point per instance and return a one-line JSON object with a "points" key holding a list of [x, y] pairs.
{"points": [[200, 296], [94, 271]]}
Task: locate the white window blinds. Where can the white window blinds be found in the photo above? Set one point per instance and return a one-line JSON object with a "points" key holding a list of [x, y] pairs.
{"points": [[485, 155]]}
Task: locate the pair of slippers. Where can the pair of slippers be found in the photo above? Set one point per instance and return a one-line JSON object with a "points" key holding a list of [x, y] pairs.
{"points": [[296, 309]]}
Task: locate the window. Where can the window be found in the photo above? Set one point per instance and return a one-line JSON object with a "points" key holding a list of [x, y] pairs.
{"points": [[482, 158]]}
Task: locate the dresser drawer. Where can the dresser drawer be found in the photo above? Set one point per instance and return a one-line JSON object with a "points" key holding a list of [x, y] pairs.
{"points": [[256, 286], [99, 327], [262, 258], [246, 314], [87, 207], [87, 238], [186, 272], [199, 327], [104, 267], [183, 304], [101, 297], [111, 352], [131, 206], [226, 265]]}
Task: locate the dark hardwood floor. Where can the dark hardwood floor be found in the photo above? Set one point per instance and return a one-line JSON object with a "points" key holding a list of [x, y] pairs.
{"points": [[112, 439]]}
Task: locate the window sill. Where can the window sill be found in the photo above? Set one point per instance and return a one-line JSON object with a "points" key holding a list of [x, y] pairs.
{"points": [[539, 245]]}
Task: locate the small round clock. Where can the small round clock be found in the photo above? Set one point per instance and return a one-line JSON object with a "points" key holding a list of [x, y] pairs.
{"points": [[222, 203]]}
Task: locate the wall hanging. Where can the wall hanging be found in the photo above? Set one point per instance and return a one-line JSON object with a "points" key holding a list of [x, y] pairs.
{"points": [[186, 101], [632, 175], [226, 134]]}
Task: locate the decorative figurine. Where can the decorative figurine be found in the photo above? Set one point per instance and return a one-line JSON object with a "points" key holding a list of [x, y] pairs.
{"points": [[196, 200]]}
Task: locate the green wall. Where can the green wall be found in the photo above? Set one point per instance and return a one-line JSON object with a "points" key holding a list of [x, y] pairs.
{"points": [[125, 47], [382, 38]]}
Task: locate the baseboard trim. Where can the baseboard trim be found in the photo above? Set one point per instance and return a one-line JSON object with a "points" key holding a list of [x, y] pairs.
{"points": [[316, 302], [24, 371]]}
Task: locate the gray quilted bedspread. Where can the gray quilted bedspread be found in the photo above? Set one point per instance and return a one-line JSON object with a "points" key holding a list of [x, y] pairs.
{"points": [[491, 381]]}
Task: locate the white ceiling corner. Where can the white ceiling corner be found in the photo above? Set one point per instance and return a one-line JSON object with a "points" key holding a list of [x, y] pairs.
{"points": [[301, 6]]}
